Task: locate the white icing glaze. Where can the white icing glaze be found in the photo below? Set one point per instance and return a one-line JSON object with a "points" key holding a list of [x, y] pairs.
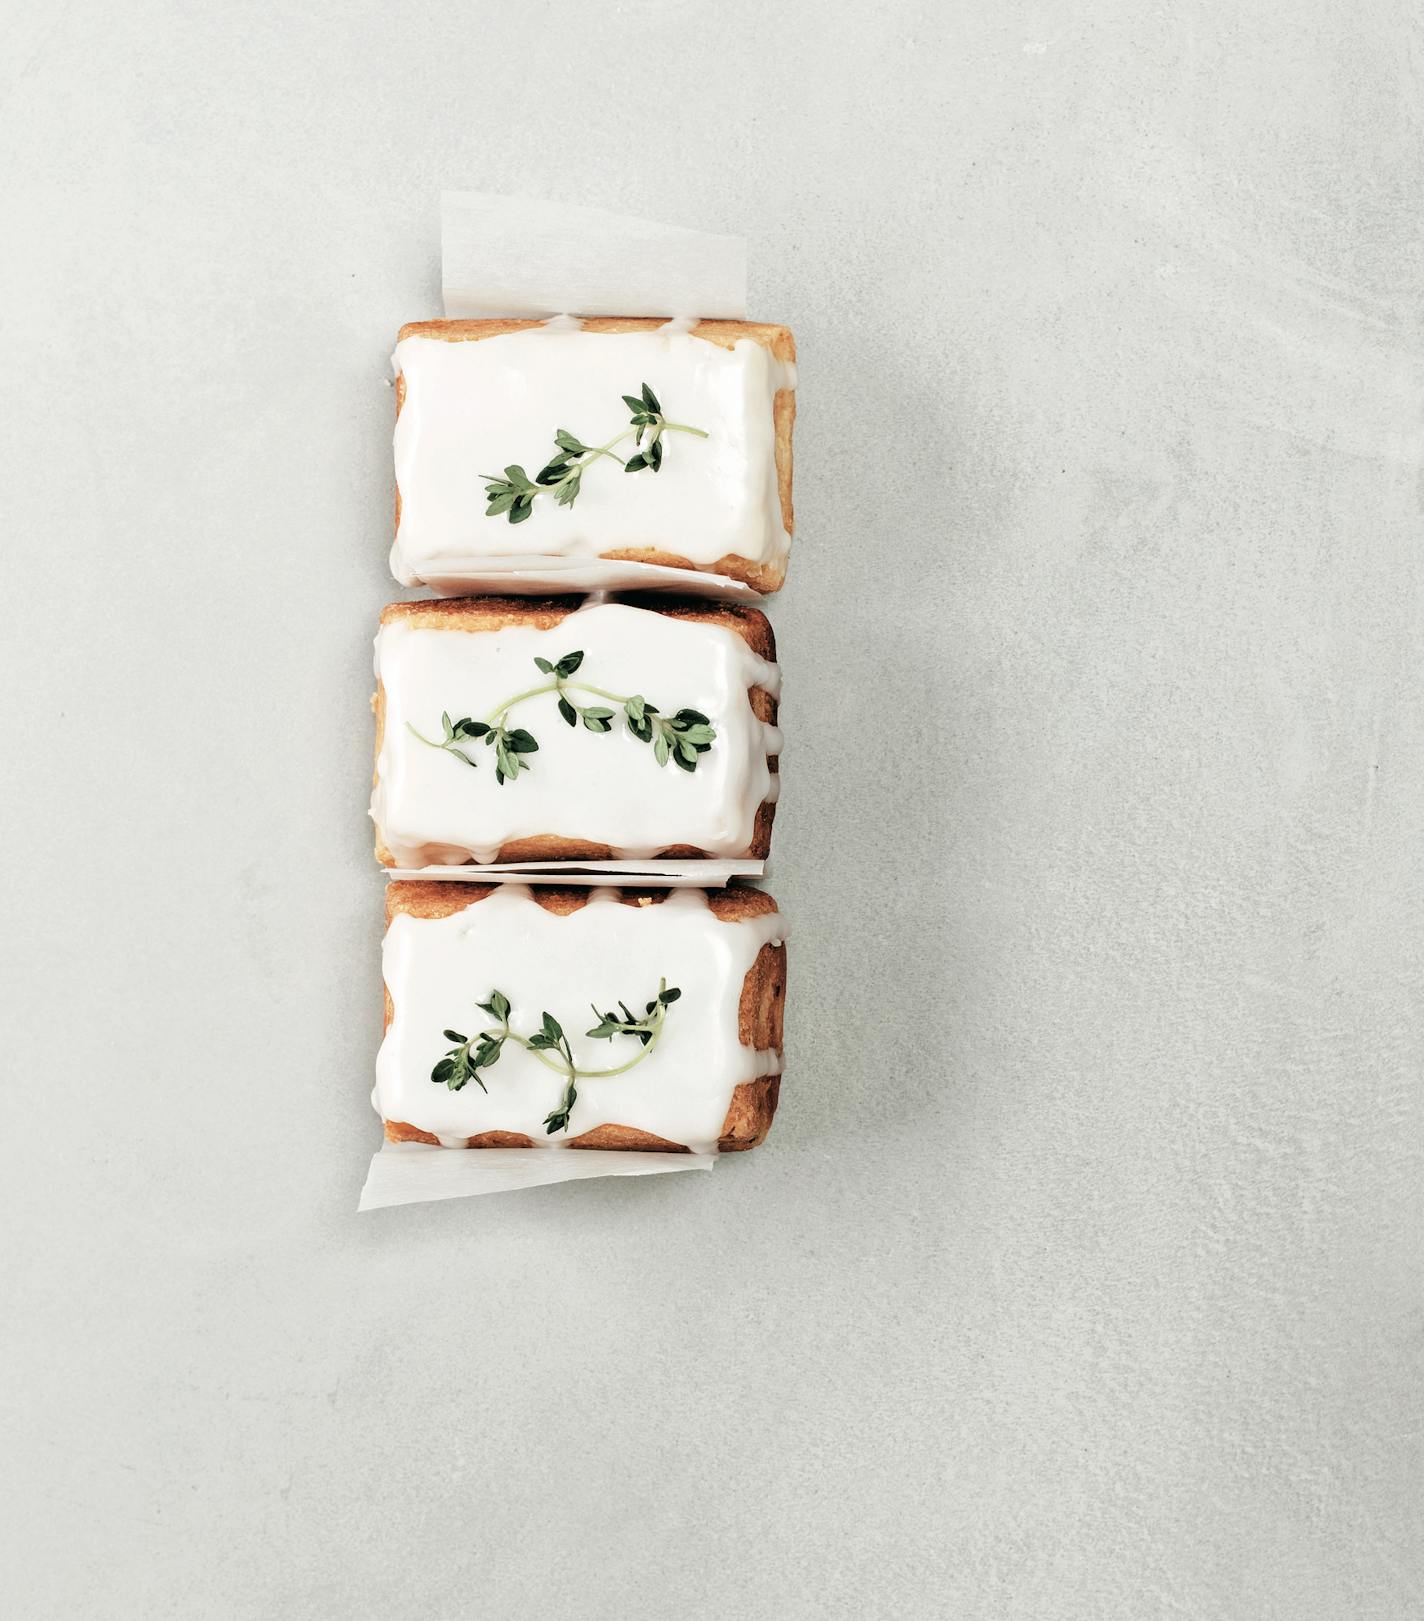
{"points": [[439, 970], [477, 406], [430, 808]]}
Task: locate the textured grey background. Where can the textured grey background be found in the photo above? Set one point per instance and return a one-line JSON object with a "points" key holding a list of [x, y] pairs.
{"points": [[1081, 1276]]}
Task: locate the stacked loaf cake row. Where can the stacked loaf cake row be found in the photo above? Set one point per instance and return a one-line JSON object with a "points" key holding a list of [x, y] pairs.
{"points": [[571, 729]]}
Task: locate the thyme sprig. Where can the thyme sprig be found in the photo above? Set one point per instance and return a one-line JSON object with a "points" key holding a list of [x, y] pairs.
{"points": [[510, 744], [646, 1028], [683, 737], [512, 496], [471, 1054]]}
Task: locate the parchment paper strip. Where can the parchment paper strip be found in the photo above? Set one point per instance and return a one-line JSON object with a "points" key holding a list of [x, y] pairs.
{"points": [[409, 1173], [524, 256], [595, 874], [527, 574]]}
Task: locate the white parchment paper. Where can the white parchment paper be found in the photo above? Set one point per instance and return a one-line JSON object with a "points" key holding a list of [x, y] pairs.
{"points": [[595, 874], [513, 256], [408, 1173], [524, 574]]}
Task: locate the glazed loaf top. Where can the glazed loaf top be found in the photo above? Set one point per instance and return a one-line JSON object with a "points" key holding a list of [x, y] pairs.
{"points": [[478, 398], [492, 969], [628, 730]]}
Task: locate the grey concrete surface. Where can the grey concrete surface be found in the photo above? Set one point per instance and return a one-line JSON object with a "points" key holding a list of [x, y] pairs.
{"points": [[1081, 1276]]}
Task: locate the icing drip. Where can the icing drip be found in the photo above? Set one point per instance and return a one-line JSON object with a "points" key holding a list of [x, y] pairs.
{"points": [[431, 809], [438, 970]]}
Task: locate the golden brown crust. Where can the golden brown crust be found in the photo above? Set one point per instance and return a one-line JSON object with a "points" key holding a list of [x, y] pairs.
{"points": [[626, 1138], [766, 577], [482, 612], [760, 1013], [397, 1131], [487, 613], [726, 334]]}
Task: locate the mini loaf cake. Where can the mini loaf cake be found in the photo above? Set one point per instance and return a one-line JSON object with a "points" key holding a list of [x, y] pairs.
{"points": [[625, 1019], [624, 438], [519, 729]]}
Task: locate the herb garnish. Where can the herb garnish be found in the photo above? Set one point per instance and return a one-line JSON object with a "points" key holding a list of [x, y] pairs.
{"points": [[508, 745], [681, 738], [513, 495], [550, 1046]]}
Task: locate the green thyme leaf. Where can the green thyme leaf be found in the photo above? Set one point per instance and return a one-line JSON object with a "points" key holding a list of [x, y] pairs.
{"points": [[558, 1120]]}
